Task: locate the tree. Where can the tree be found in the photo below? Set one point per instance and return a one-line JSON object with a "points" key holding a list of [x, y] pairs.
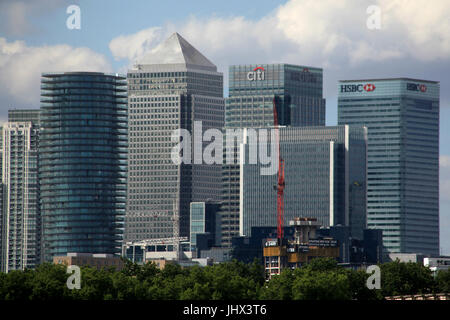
{"points": [[321, 279], [148, 271], [357, 282], [279, 287], [322, 264], [15, 285], [48, 282], [321, 285], [443, 281], [398, 278], [126, 287], [95, 284], [130, 269]]}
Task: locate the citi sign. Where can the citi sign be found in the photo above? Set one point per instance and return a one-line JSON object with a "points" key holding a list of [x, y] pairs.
{"points": [[256, 74], [369, 87]]}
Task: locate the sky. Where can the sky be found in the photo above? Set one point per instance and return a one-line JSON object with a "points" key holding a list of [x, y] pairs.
{"points": [[413, 41]]}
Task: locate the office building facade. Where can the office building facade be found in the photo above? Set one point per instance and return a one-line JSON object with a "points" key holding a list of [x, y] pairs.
{"points": [[324, 166], [204, 223], [25, 115], [402, 117], [83, 162], [297, 91], [173, 87], [20, 226]]}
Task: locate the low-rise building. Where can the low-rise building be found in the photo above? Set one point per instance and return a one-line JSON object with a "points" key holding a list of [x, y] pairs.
{"points": [[96, 260], [280, 254], [437, 264]]}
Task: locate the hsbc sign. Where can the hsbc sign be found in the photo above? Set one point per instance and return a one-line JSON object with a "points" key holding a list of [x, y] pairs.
{"points": [[416, 87], [368, 87], [257, 74]]}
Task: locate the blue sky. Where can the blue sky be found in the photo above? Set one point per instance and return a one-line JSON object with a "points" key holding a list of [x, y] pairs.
{"points": [[414, 41]]}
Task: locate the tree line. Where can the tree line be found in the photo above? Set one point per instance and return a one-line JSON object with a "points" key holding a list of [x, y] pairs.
{"points": [[321, 279]]}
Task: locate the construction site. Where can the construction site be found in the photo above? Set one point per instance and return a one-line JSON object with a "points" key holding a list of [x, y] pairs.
{"points": [[280, 253]]}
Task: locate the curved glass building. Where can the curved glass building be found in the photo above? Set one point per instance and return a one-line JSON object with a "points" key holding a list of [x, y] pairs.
{"points": [[83, 162]]}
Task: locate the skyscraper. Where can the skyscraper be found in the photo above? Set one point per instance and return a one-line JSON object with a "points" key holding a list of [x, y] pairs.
{"points": [[297, 91], [169, 89], [325, 177], [83, 162], [20, 226], [402, 117]]}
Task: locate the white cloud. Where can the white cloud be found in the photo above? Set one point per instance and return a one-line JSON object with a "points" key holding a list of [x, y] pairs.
{"points": [[133, 46], [423, 26], [444, 161], [328, 33], [21, 67]]}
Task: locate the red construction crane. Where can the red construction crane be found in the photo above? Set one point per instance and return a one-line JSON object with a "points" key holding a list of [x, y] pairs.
{"points": [[280, 184]]}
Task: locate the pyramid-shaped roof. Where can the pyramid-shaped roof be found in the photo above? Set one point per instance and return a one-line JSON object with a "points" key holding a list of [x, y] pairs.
{"points": [[176, 50]]}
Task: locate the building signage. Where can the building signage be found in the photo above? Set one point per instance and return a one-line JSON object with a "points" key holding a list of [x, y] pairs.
{"points": [[256, 74], [323, 243], [368, 87], [416, 87], [304, 76], [271, 243]]}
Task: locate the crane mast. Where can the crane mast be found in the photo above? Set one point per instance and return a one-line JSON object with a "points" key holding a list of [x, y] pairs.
{"points": [[280, 178], [175, 217]]}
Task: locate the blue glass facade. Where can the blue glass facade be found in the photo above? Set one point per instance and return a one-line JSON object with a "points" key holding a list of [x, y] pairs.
{"points": [[204, 219], [325, 175], [252, 89], [402, 117], [83, 162], [197, 224]]}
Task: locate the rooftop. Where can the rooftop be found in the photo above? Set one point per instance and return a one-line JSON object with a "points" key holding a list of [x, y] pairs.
{"points": [[176, 50], [390, 79]]}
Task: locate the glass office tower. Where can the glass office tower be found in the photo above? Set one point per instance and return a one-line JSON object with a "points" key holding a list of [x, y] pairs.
{"points": [[402, 117], [83, 162], [172, 87], [325, 178], [252, 89], [20, 225], [204, 220]]}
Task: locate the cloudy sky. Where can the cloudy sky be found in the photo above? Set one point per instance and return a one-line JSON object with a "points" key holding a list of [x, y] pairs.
{"points": [[413, 41]]}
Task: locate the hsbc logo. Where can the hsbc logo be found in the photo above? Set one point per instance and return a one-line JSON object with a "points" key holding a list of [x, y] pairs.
{"points": [[416, 87], [256, 74], [368, 87]]}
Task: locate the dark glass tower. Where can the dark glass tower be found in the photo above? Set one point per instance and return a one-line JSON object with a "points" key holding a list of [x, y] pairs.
{"points": [[297, 90], [325, 172], [83, 162], [402, 118], [252, 89]]}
